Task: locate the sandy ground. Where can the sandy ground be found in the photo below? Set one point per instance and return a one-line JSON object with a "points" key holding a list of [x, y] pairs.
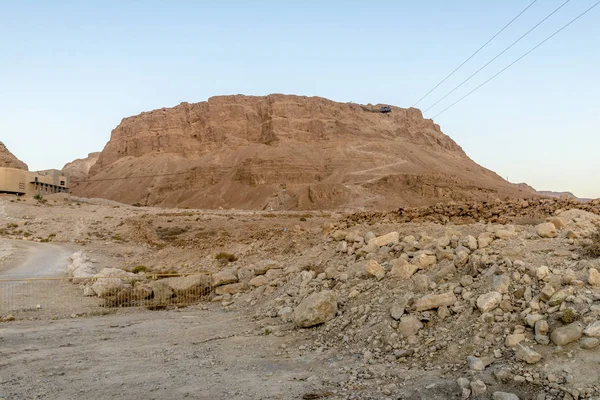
{"points": [[196, 354]]}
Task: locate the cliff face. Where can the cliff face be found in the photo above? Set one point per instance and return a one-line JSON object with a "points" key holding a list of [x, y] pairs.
{"points": [[8, 160], [78, 169], [237, 151]]}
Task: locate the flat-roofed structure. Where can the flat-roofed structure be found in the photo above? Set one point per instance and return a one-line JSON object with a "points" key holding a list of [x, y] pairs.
{"points": [[22, 182]]}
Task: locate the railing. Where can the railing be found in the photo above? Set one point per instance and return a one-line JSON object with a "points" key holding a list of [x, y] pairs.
{"points": [[82, 295]]}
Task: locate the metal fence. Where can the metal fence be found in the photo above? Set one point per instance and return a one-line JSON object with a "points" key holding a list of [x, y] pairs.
{"points": [[81, 295]]}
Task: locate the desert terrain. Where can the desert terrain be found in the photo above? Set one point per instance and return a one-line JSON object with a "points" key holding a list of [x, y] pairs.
{"points": [[465, 300]]}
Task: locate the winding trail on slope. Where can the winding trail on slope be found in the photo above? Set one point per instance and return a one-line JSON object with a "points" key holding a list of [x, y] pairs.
{"points": [[35, 260]]}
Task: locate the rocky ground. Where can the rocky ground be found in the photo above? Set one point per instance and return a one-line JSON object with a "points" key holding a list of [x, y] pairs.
{"points": [[481, 301]]}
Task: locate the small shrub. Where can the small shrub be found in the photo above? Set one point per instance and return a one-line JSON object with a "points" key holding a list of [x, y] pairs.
{"points": [[137, 204], [569, 316], [38, 197], [139, 268], [26, 234], [45, 240], [226, 257], [593, 248], [52, 235]]}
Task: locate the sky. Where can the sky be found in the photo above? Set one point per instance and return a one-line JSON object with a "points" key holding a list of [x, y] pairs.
{"points": [[71, 70]]}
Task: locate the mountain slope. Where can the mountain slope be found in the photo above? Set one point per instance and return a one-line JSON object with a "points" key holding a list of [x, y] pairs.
{"points": [[78, 169], [237, 151], [8, 160]]}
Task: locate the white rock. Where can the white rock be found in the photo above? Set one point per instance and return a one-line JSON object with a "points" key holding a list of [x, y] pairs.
{"points": [[403, 269], [594, 277], [546, 230], [489, 301], [527, 354], [390, 238], [593, 329], [567, 334], [431, 301], [316, 309]]}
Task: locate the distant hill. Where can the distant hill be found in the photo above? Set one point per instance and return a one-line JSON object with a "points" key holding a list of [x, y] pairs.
{"points": [[549, 193]]}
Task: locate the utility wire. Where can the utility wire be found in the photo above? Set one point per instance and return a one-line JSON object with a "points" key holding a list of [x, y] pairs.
{"points": [[518, 59], [131, 177], [478, 50], [498, 55]]}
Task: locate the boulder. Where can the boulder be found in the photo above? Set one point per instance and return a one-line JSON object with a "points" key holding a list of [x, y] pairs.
{"points": [[432, 301], [527, 354], [589, 343], [426, 260], [514, 339], [374, 269], [390, 238], [489, 301], [475, 363], [501, 283], [593, 329], [397, 309], [161, 292], [567, 334], [83, 274], [560, 296], [245, 274], [316, 309], [403, 269], [232, 288], [225, 277], [141, 292], [107, 287], [190, 287], [593, 277], [485, 239], [409, 325], [546, 230], [258, 281], [261, 268]]}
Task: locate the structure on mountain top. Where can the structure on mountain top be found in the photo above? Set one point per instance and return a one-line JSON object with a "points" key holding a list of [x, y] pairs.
{"points": [[22, 182]]}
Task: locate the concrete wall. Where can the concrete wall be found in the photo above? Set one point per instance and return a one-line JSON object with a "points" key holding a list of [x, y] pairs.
{"points": [[13, 180]]}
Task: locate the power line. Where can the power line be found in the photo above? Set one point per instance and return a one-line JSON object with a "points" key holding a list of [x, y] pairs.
{"points": [[498, 55], [518, 59], [478, 50], [131, 177]]}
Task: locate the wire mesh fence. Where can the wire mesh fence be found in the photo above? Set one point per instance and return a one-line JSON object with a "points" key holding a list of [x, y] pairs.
{"points": [[73, 295]]}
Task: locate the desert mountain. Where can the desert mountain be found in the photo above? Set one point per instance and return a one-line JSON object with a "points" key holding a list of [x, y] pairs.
{"points": [[78, 169], [8, 160], [242, 151]]}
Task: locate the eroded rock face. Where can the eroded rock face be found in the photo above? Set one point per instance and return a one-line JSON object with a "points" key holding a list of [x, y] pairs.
{"points": [[8, 160], [78, 169], [327, 153]]}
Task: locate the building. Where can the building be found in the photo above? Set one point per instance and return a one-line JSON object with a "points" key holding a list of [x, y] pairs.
{"points": [[21, 182]]}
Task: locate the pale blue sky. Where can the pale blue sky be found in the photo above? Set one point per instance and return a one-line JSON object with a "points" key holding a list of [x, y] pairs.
{"points": [[70, 70]]}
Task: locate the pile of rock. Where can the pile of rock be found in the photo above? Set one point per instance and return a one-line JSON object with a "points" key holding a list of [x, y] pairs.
{"points": [[122, 288], [455, 302], [495, 212]]}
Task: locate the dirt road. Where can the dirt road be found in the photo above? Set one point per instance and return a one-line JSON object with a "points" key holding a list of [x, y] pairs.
{"points": [[196, 354], [34, 260]]}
